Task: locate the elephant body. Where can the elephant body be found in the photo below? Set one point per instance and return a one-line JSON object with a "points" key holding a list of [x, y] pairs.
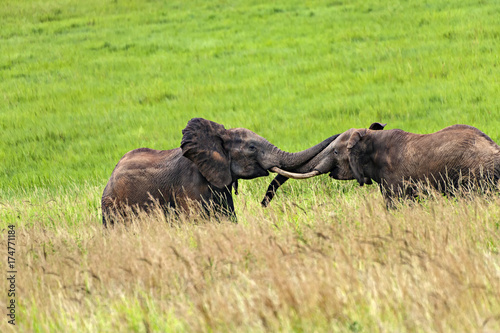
{"points": [[144, 178], [199, 174], [456, 157]]}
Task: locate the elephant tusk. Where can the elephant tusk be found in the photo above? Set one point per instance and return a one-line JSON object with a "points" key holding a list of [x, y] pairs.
{"points": [[295, 175]]}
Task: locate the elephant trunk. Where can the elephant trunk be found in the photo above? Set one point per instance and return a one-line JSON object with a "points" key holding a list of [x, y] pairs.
{"points": [[321, 156], [298, 161], [321, 162], [312, 167]]}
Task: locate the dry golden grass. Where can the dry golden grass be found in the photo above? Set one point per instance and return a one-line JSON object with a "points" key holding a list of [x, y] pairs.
{"points": [[332, 263]]}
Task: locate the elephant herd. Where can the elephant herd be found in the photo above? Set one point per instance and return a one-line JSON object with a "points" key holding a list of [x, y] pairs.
{"points": [[205, 170]]}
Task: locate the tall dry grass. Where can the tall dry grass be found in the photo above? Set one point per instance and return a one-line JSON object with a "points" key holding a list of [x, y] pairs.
{"points": [[338, 263]]}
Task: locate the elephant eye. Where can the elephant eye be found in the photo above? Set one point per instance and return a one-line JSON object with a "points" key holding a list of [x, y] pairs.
{"points": [[335, 152], [252, 147]]}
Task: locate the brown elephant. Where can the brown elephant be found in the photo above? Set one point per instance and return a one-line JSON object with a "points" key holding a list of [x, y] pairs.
{"points": [[202, 171], [283, 176], [459, 157]]}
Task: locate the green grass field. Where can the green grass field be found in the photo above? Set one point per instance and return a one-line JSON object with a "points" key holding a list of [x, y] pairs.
{"points": [[82, 83]]}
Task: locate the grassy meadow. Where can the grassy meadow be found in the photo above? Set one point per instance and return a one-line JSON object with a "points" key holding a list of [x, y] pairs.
{"points": [[82, 83]]}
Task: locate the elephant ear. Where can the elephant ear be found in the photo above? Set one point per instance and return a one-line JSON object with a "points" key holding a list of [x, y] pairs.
{"points": [[356, 135], [203, 143], [354, 156], [377, 126]]}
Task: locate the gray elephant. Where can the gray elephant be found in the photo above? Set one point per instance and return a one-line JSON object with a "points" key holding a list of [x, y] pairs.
{"points": [[202, 171], [459, 157]]}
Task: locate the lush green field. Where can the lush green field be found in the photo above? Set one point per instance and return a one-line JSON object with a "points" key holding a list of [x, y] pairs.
{"points": [[82, 83]]}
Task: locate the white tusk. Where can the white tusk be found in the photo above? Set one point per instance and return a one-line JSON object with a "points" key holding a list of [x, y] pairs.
{"points": [[295, 175]]}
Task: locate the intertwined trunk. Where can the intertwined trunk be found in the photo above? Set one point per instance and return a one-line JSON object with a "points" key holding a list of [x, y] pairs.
{"points": [[297, 161]]}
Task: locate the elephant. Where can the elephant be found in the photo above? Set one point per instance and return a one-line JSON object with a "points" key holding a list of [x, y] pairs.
{"points": [[283, 175], [203, 171], [456, 158]]}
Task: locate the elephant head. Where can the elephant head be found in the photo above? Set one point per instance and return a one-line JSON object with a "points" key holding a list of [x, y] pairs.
{"points": [[346, 155], [225, 155]]}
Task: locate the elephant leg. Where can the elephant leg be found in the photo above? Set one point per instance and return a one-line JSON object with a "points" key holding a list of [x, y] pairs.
{"points": [[109, 211], [220, 204], [106, 220], [169, 209], [386, 196], [230, 208], [273, 187], [390, 195], [227, 205]]}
